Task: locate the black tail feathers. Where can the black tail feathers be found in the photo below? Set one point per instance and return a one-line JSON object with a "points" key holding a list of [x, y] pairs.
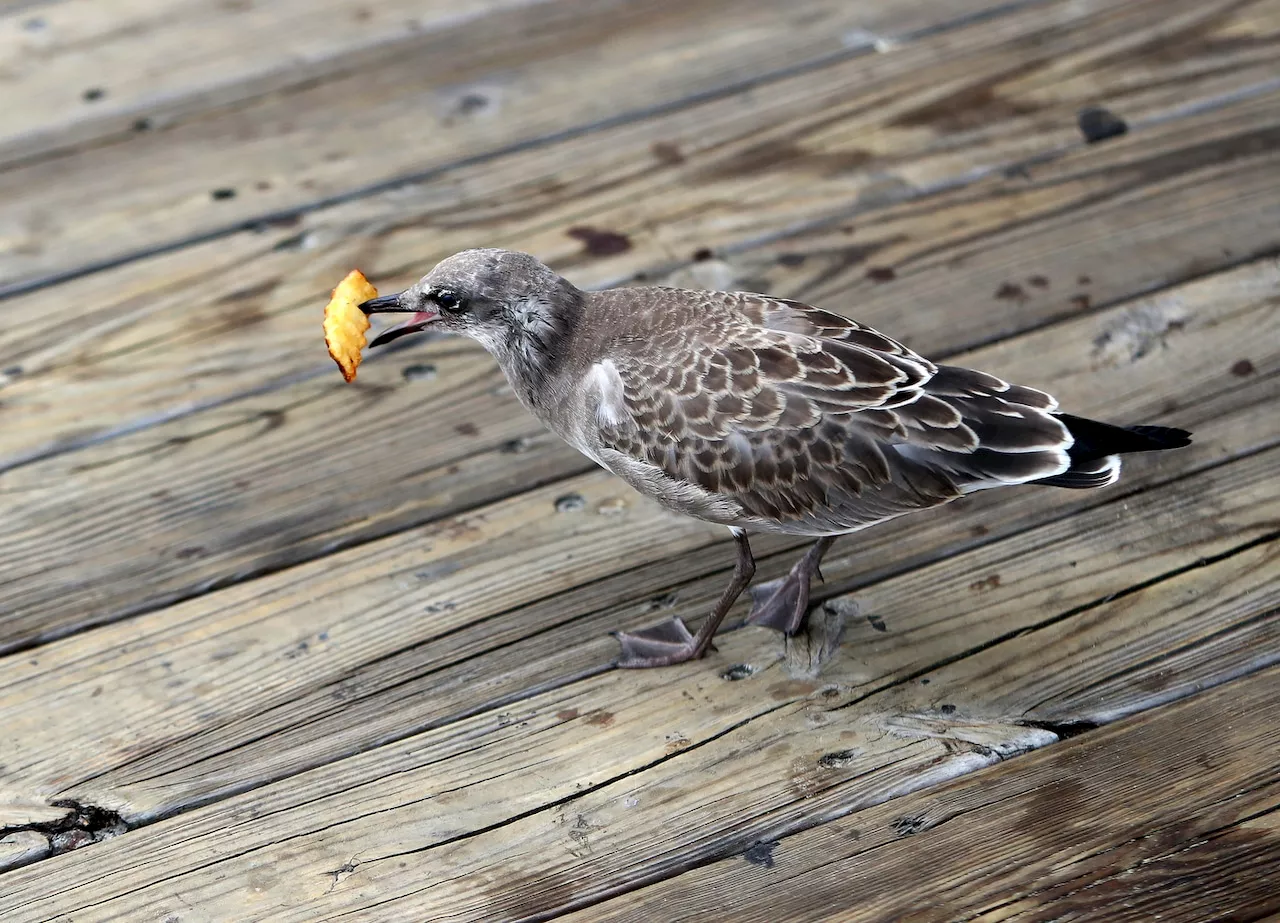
{"points": [[1096, 440], [1094, 461]]}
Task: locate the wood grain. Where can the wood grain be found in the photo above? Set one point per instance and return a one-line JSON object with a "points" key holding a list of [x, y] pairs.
{"points": [[427, 626], [172, 60], [475, 84], [164, 60], [217, 496], [553, 788], [343, 652], [151, 341], [1170, 816]]}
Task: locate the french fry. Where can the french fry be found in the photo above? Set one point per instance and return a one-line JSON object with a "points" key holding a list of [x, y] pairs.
{"points": [[345, 324]]}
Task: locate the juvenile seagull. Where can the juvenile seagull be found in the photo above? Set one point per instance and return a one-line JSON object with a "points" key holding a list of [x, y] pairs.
{"points": [[754, 412]]}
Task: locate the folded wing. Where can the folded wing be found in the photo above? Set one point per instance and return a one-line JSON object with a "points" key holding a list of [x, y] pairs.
{"points": [[813, 421]]}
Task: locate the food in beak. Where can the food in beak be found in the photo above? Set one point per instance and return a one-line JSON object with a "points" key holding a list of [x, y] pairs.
{"points": [[345, 324]]}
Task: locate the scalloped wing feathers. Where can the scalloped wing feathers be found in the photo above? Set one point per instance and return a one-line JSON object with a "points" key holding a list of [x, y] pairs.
{"points": [[807, 421]]}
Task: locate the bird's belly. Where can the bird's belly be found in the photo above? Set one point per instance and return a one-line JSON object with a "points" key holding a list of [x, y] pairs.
{"points": [[677, 495]]}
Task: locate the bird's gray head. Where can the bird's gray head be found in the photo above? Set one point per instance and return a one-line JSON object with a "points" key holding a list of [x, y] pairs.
{"points": [[513, 305]]}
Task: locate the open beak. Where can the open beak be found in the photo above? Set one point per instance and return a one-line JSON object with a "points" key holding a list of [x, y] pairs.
{"points": [[390, 304]]}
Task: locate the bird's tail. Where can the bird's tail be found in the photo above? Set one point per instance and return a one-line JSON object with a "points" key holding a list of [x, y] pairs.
{"points": [[1095, 454]]}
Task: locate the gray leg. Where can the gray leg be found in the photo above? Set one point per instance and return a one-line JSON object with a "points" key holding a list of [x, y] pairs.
{"points": [[784, 604], [670, 642]]}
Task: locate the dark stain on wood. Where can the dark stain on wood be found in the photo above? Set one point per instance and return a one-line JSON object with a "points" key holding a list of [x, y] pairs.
{"points": [[667, 152], [975, 106], [986, 583], [1242, 368], [1011, 291], [567, 714], [1038, 282], [1081, 302], [838, 759], [281, 222], [881, 273], [877, 623], [775, 153], [466, 428], [599, 242], [419, 371], [761, 853], [1217, 152], [600, 718]]}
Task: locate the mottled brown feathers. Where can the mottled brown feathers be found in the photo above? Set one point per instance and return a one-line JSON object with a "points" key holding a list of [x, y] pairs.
{"points": [[800, 414]]}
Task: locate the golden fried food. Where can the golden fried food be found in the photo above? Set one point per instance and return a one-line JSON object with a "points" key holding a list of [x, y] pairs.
{"points": [[345, 324]]}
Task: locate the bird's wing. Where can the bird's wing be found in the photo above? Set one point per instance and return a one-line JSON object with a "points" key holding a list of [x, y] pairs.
{"points": [[798, 413]]}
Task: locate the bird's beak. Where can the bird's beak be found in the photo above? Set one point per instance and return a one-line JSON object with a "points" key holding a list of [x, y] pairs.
{"points": [[390, 304]]}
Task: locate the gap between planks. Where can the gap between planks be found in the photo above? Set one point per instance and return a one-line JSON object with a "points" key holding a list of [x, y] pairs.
{"points": [[127, 347], [530, 77], [287, 599], [937, 742], [1098, 828]]}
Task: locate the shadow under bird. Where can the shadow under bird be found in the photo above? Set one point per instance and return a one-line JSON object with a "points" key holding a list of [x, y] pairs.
{"points": [[756, 413]]}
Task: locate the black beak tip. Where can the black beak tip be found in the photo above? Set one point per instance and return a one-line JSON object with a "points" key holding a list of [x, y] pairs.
{"points": [[382, 304]]}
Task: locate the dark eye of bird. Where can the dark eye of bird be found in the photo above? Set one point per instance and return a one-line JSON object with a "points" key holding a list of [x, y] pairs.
{"points": [[448, 301]]}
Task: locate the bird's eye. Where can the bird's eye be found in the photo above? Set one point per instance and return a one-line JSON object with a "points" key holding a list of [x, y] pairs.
{"points": [[448, 301]]}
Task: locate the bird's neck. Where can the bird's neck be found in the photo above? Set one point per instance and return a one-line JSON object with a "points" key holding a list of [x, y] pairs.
{"points": [[534, 353]]}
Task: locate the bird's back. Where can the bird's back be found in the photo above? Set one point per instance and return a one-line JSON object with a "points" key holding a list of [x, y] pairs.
{"points": [[766, 413]]}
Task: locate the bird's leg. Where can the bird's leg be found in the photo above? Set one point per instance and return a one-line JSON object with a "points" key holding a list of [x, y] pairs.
{"points": [[784, 603], [670, 642]]}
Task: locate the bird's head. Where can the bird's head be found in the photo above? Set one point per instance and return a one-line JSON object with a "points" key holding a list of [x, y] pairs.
{"points": [[509, 302]]}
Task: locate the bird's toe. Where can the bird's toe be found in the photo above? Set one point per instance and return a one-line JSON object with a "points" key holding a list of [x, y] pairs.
{"points": [[780, 604], [660, 645]]}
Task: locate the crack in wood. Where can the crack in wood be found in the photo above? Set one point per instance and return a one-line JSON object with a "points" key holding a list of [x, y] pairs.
{"points": [[83, 825]]}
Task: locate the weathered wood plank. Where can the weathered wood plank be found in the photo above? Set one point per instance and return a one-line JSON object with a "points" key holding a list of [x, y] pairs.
{"points": [[79, 70], [429, 625], [171, 60], [514, 809], [1171, 815], [157, 339], [230, 502], [479, 84], [495, 662]]}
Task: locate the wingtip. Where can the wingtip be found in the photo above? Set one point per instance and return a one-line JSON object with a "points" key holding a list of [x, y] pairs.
{"points": [[1165, 437]]}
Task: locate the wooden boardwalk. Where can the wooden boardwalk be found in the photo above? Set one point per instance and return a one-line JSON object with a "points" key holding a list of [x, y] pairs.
{"points": [[277, 648]]}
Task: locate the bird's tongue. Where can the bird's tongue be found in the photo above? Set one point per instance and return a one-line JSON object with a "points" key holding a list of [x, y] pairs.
{"points": [[419, 320]]}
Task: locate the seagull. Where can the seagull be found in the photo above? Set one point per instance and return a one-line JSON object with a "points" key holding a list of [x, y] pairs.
{"points": [[756, 413]]}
